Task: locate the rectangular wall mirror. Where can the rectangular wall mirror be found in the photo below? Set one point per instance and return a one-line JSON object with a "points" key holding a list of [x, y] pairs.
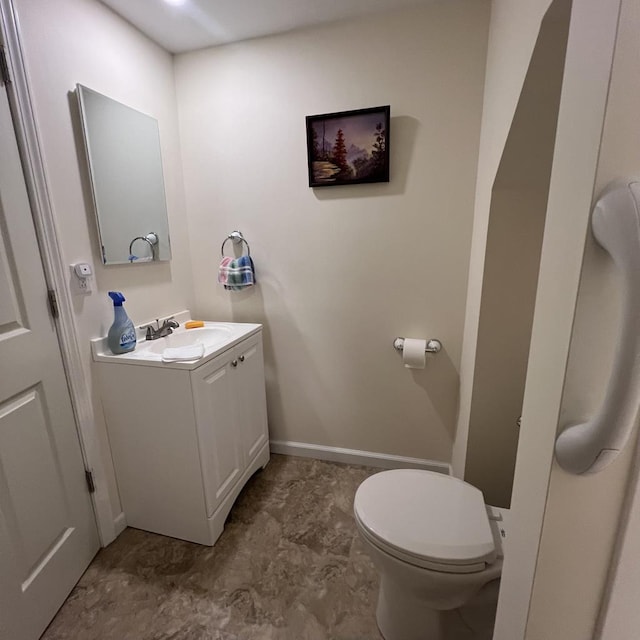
{"points": [[125, 166]]}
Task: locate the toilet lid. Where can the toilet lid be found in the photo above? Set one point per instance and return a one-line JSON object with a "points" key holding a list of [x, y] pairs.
{"points": [[427, 516]]}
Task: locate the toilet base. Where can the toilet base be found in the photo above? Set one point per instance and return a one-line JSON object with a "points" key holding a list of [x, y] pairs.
{"points": [[402, 616]]}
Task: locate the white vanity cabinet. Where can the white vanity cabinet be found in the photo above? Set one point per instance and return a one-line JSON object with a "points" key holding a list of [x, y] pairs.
{"points": [[186, 440], [228, 392]]}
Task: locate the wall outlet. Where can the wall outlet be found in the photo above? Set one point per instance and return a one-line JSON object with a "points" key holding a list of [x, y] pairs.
{"points": [[81, 275]]}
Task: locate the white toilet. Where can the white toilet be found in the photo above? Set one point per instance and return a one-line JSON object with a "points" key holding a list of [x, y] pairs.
{"points": [[438, 554]]}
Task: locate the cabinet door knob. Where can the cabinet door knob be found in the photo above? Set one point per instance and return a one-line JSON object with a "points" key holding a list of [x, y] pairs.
{"points": [[234, 363], [241, 358]]}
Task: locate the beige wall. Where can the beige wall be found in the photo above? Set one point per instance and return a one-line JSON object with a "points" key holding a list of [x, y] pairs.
{"points": [[510, 276], [514, 241], [344, 270], [582, 512], [80, 41], [513, 32]]}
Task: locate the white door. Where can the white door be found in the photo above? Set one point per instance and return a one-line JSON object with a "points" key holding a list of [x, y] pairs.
{"points": [[48, 533], [564, 538]]}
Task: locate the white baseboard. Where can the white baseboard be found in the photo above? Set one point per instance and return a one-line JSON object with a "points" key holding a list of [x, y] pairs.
{"points": [[354, 456], [119, 523]]}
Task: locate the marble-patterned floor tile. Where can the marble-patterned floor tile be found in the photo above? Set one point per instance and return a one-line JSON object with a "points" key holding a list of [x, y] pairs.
{"points": [[289, 566]]}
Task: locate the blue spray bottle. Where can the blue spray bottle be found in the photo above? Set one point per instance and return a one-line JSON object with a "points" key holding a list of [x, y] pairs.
{"points": [[122, 334]]}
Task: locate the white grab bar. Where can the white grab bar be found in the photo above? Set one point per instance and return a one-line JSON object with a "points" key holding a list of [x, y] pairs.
{"points": [[590, 446]]}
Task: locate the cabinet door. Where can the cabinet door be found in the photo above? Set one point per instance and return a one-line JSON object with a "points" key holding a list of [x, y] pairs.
{"points": [[221, 453], [252, 404]]}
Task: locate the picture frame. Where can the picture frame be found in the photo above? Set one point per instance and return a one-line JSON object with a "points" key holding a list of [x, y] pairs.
{"points": [[348, 147]]}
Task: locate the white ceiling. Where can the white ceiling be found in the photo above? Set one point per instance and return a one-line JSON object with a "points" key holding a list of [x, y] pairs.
{"points": [[203, 23]]}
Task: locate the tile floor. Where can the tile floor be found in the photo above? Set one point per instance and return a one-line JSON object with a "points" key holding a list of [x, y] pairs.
{"points": [[289, 566]]}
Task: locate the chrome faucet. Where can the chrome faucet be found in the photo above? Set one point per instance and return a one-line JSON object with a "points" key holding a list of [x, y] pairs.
{"points": [[161, 330]]}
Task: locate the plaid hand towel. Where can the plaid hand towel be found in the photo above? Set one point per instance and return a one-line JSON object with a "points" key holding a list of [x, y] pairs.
{"points": [[236, 273]]}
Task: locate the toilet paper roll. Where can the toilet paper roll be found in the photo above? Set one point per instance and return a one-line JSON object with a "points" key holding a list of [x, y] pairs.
{"points": [[413, 353]]}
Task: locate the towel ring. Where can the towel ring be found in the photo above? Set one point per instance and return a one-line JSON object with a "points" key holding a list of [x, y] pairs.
{"points": [[151, 239], [237, 238]]}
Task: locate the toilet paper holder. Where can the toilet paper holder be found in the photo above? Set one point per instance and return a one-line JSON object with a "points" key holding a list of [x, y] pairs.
{"points": [[433, 345]]}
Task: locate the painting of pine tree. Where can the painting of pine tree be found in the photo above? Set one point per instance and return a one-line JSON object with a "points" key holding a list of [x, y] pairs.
{"points": [[349, 147]]}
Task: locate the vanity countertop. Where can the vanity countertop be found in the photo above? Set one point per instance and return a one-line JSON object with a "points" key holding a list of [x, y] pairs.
{"points": [[216, 337]]}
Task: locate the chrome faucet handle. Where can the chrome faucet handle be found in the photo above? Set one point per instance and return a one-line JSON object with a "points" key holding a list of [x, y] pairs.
{"points": [[161, 330], [153, 332], [167, 327]]}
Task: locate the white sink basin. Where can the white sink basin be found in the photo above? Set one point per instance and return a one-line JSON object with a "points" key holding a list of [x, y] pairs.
{"points": [[216, 337], [208, 336]]}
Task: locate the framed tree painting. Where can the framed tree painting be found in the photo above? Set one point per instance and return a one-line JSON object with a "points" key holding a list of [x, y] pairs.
{"points": [[348, 147]]}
